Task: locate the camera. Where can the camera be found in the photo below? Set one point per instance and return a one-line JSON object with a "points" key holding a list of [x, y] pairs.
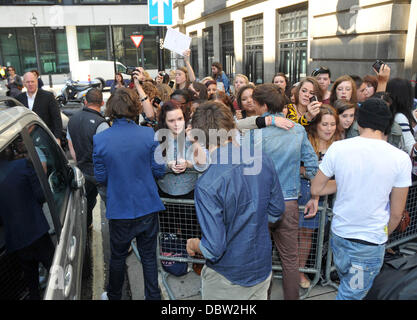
{"points": [[377, 65], [130, 70], [313, 98]]}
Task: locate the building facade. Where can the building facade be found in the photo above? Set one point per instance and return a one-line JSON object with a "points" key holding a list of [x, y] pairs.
{"points": [[262, 37], [255, 37], [68, 31]]}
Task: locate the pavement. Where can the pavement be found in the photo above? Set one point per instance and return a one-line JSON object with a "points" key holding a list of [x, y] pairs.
{"points": [[187, 287]]}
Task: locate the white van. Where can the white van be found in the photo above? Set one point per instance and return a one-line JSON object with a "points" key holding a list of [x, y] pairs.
{"points": [[102, 70], [98, 69]]}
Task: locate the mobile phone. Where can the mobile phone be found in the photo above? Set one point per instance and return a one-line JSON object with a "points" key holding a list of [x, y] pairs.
{"points": [[377, 65], [156, 101], [130, 70], [313, 98]]}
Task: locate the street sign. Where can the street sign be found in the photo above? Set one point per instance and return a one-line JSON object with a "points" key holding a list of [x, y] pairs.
{"points": [[160, 12], [137, 40]]}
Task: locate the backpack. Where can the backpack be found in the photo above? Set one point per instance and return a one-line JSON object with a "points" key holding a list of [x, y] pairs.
{"points": [[172, 246]]}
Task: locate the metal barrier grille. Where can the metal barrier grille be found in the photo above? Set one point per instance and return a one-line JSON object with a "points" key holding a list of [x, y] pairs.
{"points": [[177, 224], [309, 245], [397, 238]]}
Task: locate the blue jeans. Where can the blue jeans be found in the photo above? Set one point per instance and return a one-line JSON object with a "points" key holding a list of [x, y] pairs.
{"points": [[122, 232], [357, 266]]}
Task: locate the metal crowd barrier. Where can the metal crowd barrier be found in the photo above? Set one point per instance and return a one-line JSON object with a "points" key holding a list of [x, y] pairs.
{"points": [[176, 224], [179, 223], [395, 239], [310, 246]]}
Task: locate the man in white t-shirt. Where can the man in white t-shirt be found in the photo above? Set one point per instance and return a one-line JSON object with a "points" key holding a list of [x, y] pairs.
{"points": [[371, 179]]}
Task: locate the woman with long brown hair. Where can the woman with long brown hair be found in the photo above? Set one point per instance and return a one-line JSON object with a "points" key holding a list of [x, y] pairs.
{"points": [[306, 106], [322, 132]]}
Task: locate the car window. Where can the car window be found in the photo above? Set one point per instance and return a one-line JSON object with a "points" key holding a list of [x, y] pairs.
{"points": [[121, 69], [25, 228], [55, 167]]}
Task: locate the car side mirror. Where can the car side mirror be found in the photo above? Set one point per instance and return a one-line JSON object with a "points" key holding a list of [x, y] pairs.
{"points": [[78, 180]]}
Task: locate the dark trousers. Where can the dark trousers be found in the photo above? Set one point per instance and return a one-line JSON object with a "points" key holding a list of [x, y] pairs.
{"points": [[40, 251], [91, 194], [122, 232], [92, 188], [285, 235]]}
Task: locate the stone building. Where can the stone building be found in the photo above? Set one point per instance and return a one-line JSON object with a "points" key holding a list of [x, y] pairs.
{"points": [[262, 37]]}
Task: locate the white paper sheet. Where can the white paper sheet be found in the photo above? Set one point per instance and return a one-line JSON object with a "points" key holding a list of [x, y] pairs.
{"points": [[176, 41]]}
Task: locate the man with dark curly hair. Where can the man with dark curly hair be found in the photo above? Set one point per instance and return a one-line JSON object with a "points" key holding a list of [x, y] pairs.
{"points": [[124, 161]]}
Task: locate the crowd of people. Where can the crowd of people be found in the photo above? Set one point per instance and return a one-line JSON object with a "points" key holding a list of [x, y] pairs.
{"points": [[300, 123], [314, 138]]}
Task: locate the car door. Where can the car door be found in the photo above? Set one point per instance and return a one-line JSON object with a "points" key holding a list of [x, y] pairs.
{"points": [[67, 207]]}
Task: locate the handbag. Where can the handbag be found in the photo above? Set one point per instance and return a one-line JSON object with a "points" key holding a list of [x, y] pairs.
{"points": [[405, 221]]}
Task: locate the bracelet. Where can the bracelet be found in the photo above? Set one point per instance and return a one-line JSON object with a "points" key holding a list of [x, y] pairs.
{"points": [[273, 120], [144, 98]]}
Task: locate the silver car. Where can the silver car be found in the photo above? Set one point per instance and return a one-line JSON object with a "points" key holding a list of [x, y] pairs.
{"points": [[3, 88], [24, 136]]}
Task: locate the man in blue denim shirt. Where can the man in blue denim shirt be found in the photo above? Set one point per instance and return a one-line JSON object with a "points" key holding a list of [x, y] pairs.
{"points": [[287, 149], [234, 206]]}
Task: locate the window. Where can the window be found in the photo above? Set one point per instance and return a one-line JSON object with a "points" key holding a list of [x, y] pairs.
{"points": [[32, 1], [17, 48], [292, 44], [129, 55], [208, 54], [227, 49], [194, 52], [253, 49], [54, 164], [92, 43]]}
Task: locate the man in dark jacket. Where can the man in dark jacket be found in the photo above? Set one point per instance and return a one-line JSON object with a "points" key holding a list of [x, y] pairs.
{"points": [[124, 161], [26, 228], [82, 126], [42, 103]]}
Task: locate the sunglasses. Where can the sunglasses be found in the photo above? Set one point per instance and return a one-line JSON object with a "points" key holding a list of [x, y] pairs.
{"points": [[320, 70]]}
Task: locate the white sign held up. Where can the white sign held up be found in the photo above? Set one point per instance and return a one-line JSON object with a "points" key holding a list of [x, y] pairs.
{"points": [[176, 41]]}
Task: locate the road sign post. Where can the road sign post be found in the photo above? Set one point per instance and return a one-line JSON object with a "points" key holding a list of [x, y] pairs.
{"points": [[137, 40]]}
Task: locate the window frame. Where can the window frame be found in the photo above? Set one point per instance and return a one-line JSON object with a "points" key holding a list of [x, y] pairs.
{"points": [[250, 47], [58, 214], [206, 56], [225, 50]]}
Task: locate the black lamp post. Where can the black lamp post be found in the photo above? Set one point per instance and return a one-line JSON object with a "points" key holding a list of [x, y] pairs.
{"points": [[34, 22]]}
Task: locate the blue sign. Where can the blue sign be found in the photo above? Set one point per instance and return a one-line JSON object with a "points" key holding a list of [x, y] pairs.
{"points": [[160, 12]]}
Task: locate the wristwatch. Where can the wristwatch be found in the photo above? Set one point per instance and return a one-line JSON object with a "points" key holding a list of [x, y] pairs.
{"points": [[144, 98]]}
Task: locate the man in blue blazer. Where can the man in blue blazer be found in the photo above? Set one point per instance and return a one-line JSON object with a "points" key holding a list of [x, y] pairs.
{"points": [[124, 161]]}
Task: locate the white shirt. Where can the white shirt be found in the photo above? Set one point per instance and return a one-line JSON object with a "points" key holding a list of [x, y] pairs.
{"points": [[408, 135], [31, 100], [366, 170]]}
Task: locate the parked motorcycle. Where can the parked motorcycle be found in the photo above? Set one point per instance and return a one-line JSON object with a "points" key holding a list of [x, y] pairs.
{"points": [[75, 91]]}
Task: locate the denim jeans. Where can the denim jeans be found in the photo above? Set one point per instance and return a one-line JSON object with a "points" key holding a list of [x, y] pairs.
{"points": [[122, 232], [357, 266]]}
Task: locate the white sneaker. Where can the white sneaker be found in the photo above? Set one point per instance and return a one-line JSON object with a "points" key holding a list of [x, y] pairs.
{"points": [[104, 296]]}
